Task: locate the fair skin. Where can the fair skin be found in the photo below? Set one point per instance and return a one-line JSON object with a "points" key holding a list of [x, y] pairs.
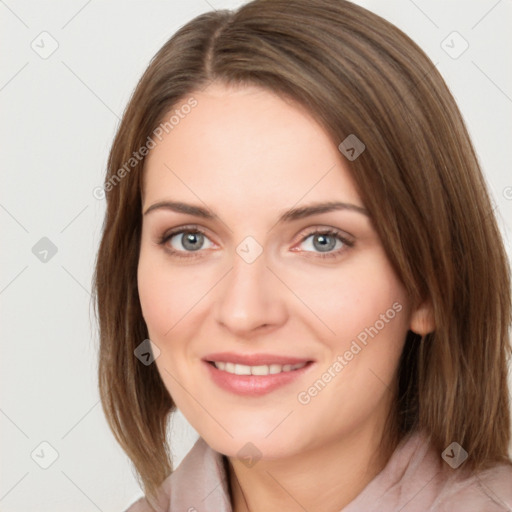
{"points": [[248, 156]]}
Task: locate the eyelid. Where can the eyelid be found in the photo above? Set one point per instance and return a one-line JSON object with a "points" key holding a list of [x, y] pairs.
{"points": [[322, 228], [185, 228]]}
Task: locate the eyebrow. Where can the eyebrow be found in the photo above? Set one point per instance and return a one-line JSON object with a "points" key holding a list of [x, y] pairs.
{"points": [[287, 216]]}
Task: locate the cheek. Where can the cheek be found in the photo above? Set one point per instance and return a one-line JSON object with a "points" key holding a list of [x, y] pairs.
{"points": [[167, 294], [363, 293], [153, 295], [371, 321], [367, 310]]}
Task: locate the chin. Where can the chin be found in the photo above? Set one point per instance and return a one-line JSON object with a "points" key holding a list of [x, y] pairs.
{"points": [[257, 442]]}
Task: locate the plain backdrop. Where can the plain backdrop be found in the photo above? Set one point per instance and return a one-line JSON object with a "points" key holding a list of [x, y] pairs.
{"points": [[59, 115]]}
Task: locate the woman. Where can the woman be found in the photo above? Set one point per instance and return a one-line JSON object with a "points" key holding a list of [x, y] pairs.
{"points": [[300, 254]]}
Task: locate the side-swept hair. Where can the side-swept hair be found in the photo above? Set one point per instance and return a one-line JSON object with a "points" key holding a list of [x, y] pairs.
{"points": [[419, 178]]}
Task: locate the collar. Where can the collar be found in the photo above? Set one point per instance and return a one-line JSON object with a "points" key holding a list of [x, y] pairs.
{"points": [[415, 478], [200, 483]]}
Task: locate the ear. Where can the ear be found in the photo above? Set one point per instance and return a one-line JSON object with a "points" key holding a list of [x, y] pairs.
{"points": [[422, 319]]}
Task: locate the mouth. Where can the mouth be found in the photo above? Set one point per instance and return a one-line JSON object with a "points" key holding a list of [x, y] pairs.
{"points": [[254, 375], [262, 369]]}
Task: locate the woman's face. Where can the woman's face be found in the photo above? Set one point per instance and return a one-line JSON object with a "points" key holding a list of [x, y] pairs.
{"points": [[252, 288]]}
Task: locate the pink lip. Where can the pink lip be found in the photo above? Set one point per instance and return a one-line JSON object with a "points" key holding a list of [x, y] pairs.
{"points": [[254, 385]]}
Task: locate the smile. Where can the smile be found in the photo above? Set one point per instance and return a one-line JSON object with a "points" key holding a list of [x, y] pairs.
{"points": [[264, 369], [256, 374]]}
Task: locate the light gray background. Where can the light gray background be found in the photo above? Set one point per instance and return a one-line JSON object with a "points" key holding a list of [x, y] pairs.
{"points": [[59, 115]]}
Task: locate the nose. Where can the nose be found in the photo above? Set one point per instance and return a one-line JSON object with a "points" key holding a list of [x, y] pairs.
{"points": [[250, 298]]}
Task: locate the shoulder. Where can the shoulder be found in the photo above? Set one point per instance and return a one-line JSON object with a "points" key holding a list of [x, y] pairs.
{"points": [[487, 491], [141, 505], [431, 480], [200, 480], [416, 478]]}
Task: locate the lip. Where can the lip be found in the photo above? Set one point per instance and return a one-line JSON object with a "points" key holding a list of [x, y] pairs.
{"points": [[254, 385]]}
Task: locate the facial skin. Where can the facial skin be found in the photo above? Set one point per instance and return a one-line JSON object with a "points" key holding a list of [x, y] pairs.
{"points": [[248, 156]]}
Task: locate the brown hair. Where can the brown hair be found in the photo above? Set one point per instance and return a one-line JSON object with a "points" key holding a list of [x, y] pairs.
{"points": [[419, 178]]}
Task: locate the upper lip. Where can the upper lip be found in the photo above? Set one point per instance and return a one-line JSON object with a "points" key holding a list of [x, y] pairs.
{"points": [[254, 359]]}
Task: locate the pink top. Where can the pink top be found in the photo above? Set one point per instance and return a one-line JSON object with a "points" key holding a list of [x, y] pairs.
{"points": [[415, 479]]}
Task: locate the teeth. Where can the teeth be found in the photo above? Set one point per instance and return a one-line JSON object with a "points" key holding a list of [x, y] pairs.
{"points": [[264, 369], [275, 368], [241, 369], [260, 370]]}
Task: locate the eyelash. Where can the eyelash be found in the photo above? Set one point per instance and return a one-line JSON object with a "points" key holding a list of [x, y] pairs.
{"points": [[194, 230]]}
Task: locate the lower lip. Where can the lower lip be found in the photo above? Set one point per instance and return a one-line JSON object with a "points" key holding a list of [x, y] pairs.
{"points": [[254, 385]]}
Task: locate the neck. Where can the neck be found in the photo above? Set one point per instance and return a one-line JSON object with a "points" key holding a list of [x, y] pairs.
{"points": [[324, 478]]}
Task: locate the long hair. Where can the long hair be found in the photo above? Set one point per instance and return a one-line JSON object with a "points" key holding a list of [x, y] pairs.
{"points": [[418, 177]]}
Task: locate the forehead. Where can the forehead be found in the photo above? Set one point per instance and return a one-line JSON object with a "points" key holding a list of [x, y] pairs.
{"points": [[249, 146]]}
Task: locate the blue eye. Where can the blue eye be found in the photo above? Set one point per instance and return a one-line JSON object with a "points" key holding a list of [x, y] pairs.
{"points": [[191, 239], [324, 241], [187, 242]]}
